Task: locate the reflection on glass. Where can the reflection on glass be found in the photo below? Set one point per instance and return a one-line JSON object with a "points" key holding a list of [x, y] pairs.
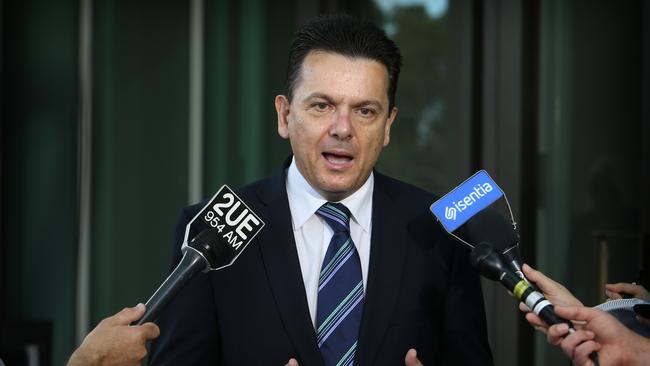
{"points": [[589, 215], [426, 147]]}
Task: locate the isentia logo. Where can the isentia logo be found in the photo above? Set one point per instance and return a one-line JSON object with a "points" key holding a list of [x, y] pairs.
{"points": [[480, 190]]}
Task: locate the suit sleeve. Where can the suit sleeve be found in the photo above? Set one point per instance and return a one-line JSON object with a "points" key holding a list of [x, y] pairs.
{"points": [[464, 341], [188, 325]]}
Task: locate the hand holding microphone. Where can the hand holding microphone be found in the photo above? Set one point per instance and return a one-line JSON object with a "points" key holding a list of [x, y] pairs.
{"points": [[226, 226], [491, 265], [496, 256], [114, 342], [553, 291]]}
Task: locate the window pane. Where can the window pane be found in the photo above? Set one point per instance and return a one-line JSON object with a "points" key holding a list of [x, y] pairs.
{"points": [[590, 148], [429, 141]]}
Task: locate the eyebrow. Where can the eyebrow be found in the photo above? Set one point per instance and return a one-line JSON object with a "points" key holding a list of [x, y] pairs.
{"points": [[330, 100], [313, 96]]}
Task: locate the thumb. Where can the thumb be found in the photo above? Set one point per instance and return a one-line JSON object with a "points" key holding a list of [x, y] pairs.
{"points": [[543, 282], [150, 331], [292, 362], [128, 315], [614, 290], [411, 358], [576, 312]]}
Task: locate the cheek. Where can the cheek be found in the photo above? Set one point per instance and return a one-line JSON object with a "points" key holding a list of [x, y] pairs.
{"points": [[377, 146], [304, 140], [378, 143]]}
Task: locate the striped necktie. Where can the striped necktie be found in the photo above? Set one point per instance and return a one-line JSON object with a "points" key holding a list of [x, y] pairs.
{"points": [[340, 291]]}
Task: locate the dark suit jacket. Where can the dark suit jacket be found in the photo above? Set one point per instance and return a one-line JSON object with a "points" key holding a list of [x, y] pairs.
{"points": [[421, 292]]}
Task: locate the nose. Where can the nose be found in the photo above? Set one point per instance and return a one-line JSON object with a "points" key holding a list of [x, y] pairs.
{"points": [[341, 127]]}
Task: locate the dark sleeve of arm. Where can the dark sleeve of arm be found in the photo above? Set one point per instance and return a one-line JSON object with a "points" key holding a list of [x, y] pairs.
{"points": [[465, 340], [188, 325]]}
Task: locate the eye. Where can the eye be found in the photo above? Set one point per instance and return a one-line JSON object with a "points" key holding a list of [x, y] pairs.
{"points": [[320, 107], [366, 112]]}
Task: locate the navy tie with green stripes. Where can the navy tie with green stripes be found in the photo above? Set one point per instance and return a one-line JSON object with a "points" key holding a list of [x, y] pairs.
{"points": [[340, 291]]}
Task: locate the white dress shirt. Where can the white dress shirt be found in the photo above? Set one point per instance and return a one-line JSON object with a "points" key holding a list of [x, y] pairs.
{"points": [[313, 235]]}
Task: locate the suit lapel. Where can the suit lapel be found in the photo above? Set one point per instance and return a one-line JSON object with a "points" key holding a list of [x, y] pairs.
{"points": [[278, 248], [387, 253]]}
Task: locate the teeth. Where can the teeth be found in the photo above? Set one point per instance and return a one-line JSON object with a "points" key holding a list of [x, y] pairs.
{"points": [[337, 160]]}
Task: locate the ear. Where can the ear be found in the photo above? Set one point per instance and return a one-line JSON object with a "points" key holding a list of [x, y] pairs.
{"points": [[389, 123], [282, 108]]}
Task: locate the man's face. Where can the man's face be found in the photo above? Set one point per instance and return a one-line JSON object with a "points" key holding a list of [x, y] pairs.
{"points": [[338, 121]]}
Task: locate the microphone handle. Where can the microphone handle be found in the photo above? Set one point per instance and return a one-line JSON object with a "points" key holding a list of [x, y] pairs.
{"points": [[191, 263], [524, 292]]}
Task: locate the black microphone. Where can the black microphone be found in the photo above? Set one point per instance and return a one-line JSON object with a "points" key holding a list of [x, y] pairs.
{"points": [[491, 227], [206, 251], [491, 265], [226, 225]]}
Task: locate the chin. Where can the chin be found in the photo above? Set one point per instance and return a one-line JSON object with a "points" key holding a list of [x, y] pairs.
{"points": [[338, 191]]}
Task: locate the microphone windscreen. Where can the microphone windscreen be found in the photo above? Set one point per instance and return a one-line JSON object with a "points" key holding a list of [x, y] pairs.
{"points": [[490, 226], [214, 248], [487, 260]]}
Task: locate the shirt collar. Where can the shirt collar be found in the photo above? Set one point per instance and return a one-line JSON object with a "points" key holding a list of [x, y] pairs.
{"points": [[304, 200]]}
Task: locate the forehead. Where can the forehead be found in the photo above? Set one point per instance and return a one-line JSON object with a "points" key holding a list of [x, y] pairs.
{"points": [[336, 74]]}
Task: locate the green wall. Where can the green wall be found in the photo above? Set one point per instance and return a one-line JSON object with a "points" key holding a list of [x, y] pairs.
{"points": [[139, 147], [140, 142], [39, 157]]}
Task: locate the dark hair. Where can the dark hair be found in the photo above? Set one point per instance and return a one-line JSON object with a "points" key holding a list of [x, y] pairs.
{"points": [[347, 36]]}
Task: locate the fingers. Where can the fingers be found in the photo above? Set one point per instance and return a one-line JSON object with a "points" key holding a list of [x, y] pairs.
{"points": [[553, 291], [538, 278], [150, 331], [292, 362], [570, 343], [536, 322], [576, 312], [556, 333], [545, 284], [582, 351], [611, 295], [411, 358], [127, 315], [617, 290], [524, 308], [531, 273]]}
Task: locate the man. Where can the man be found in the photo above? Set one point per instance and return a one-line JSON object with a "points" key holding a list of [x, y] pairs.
{"points": [[596, 331], [350, 267], [114, 342]]}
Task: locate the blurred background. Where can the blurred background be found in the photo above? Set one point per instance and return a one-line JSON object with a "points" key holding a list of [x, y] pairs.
{"points": [[115, 114]]}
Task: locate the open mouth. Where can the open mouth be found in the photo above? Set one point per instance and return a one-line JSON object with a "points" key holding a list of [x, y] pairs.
{"points": [[337, 158]]}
